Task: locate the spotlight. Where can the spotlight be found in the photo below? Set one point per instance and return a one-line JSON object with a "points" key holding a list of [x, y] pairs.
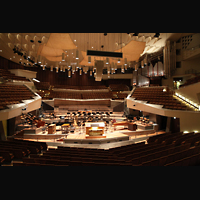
{"points": [[135, 34], [32, 41], [39, 41], [105, 34]]}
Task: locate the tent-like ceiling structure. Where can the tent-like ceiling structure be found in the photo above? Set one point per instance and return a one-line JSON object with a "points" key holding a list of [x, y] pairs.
{"points": [[56, 45], [132, 50], [61, 41]]}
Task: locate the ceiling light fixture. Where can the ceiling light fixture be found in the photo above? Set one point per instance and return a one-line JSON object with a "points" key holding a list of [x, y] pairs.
{"points": [[63, 56], [107, 61], [89, 59], [125, 61], [77, 55]]}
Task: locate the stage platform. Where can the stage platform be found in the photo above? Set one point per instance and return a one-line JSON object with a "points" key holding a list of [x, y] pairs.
{"points": [[79, 139]]}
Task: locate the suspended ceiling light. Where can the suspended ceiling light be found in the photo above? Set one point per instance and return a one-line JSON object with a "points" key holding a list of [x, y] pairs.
{"points": [[115, 66], [80, 72], [118, 60], [142, 63], [122, 70], [125, 61], [112, 65], [51, 68], [42, 63], [39, 58], [69, 73], [77, 55], [89, 59], [63, 56], [107, 61]]}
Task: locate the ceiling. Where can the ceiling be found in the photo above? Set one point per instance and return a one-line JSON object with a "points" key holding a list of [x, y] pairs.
{"points": [[52, 45]]}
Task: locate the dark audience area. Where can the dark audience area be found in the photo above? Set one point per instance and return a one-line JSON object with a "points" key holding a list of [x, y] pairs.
{"points": [[168, 149]]}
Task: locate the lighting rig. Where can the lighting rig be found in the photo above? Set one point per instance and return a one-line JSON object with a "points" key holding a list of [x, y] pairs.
{"points": [[20, 53]]}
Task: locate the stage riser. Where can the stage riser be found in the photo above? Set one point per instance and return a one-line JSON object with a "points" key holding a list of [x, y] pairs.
{"points": [[96, 141], [44, 137]]}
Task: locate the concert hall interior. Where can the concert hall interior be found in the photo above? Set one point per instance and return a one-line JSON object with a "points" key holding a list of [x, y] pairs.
{"points": [[99, 99]]}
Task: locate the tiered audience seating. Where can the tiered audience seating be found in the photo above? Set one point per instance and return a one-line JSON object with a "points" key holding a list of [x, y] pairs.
{"points": [[121, 96], [18, 149], [168, 149], [191, 81], [13, 94], [6, 74], [67, 95], [119, 87], [96, 95], [75, 95], [92, 87], [155, 95]]}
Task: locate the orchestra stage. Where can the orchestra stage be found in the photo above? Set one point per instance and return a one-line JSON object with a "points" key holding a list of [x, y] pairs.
{"points": [[112, 139], [107, 129]]}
